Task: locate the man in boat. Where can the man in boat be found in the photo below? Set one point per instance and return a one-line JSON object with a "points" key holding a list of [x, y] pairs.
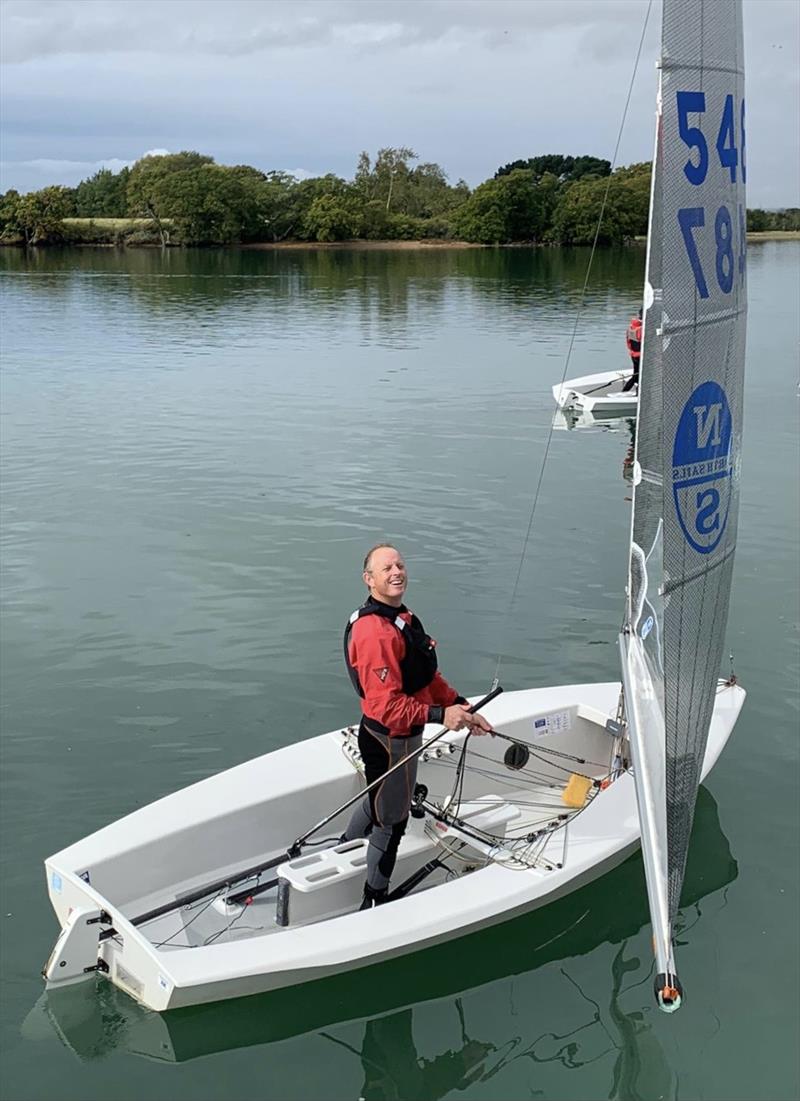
{"points": [[393, 667], [633, 339]]}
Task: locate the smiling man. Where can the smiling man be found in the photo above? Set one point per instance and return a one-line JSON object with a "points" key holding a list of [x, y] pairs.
{"points": [[393, 667]]}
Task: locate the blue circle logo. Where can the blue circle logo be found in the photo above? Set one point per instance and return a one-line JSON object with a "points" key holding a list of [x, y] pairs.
{"points": [[702, 464]]}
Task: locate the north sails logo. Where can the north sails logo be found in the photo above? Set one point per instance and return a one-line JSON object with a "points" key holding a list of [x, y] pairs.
{"points": [[702, 464], [381, 674]]}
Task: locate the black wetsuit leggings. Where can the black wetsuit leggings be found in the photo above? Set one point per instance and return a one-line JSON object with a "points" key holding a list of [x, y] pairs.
{"points": [[634, 379], [383, 814]]}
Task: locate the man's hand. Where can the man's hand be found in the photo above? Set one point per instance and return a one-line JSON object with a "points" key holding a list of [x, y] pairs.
{"points": [[459, 717]]}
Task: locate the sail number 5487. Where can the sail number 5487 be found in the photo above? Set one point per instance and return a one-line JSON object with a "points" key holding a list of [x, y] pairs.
{"points": [[731, 157]]}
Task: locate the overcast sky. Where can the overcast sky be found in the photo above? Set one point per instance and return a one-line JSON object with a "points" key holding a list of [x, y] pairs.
{"points": [[305, 85]]}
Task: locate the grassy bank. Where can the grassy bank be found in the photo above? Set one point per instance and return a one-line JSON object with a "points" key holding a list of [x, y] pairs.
{"points": [[111, 231]]}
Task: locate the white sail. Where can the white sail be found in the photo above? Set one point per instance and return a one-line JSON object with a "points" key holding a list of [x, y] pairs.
{"points": [[686, 472]]}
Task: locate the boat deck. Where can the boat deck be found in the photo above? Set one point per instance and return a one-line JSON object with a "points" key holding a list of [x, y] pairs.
{"points": [[330, 880]]}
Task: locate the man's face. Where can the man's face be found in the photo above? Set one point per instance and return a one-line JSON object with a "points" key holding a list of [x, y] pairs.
{"points": [[386, 577]]}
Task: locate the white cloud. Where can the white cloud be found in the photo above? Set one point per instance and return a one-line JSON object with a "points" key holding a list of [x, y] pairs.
{"points": [[30, 175]]}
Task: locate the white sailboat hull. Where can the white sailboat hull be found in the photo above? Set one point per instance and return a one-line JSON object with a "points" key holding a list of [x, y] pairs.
{"points": [[251, 812], [600, 394]]}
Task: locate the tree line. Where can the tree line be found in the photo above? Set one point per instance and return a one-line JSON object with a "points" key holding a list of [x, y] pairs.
{"points": [[188, 199]]}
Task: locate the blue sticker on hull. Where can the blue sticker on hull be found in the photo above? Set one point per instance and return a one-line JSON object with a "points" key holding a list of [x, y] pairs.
{"points": [[702, 464]]}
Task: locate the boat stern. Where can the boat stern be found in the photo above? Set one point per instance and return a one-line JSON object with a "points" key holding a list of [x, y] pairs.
{"points": [[568, 399], [96, 939]]}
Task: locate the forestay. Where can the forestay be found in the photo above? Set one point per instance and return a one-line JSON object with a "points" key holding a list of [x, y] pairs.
{"points": [[686, 473]]}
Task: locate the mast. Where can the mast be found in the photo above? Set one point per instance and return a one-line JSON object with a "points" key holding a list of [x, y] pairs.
{"points": [[686, 470]]}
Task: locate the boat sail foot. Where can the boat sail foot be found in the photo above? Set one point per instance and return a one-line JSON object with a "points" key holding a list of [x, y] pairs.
{"points": [[668, 991]]}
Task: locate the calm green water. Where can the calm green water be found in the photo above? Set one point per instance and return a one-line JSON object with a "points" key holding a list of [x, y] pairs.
{"points": [[197, 449]]}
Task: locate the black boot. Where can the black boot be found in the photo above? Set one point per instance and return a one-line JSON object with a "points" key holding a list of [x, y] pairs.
{"points": [[373, 897]]}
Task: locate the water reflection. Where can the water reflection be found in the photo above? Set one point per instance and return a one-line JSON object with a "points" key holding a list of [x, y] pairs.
{"points": [[378, 287], [566, 420], [413, 1028], [565, 267], [630, 454], [393, 1068], [640, 1069]]}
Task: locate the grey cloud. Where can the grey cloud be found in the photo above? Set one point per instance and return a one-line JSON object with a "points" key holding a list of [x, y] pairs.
{"points": [[42, 28]]}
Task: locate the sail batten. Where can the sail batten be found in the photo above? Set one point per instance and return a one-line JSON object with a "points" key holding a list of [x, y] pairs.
{"points": [[685, 504], [690, 66], [694, 323]]}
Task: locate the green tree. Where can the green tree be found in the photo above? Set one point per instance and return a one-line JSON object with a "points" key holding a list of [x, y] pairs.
{"points": [[428, 193], [512, 207], [10, 225], [262, 202], [375, 221], [103, 195], [391, 172], [589, 166], [788, 219], [482, 218], [633, 183], [397, 199], [40, 214], [564, 168], [211, 203], [278, 205], [514, 166], [331, 209], [145, 188], [331, 218], [364, 181], [575, 219]]}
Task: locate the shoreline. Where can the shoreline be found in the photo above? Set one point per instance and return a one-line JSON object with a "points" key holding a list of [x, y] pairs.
{"points": [[442, 243], [774, 235], [432, 245]]}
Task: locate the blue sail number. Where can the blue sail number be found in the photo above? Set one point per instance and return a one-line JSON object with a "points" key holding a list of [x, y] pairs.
{"points": [[723, 232], [692, 218], [726, 140], [689, 218], [741, 127], [693, 102]]}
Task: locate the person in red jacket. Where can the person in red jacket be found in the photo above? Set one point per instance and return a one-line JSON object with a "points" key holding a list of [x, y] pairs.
{"points": [[393, 667], [633, 339]]}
